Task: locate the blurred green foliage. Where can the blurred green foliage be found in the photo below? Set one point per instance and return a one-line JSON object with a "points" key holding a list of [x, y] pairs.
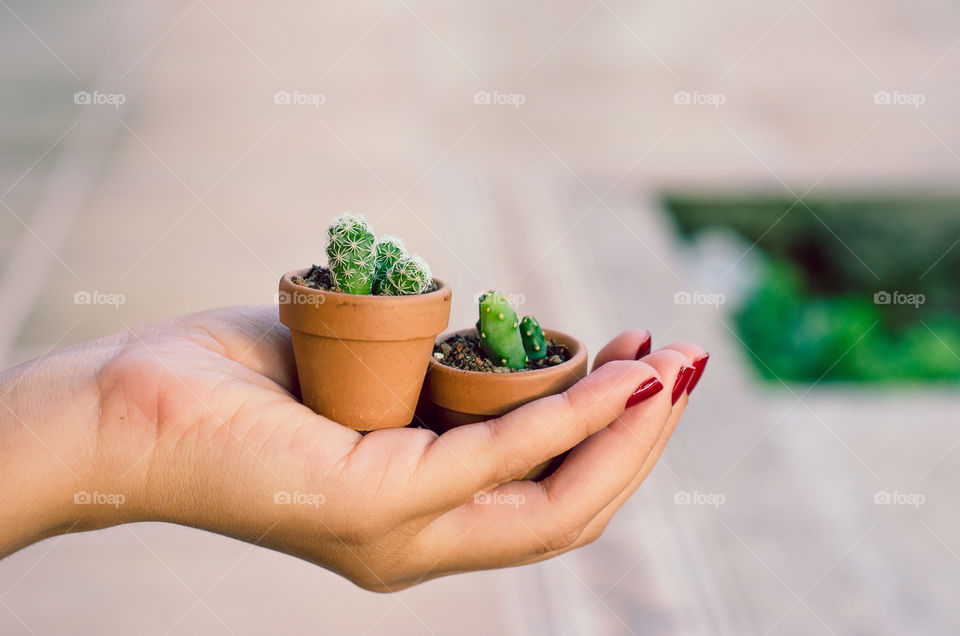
{"points": [[812, 313]]}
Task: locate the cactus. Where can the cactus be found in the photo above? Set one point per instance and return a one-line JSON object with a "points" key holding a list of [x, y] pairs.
{"points": [[534, 342], [409, 275], [499, 332], [359, 264], [350, 254], [389, 250]]}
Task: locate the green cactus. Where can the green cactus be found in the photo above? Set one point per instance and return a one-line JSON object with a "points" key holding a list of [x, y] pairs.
{"points": [[409, 275], [499, 332], [350, 254], [359, 264], [388, 251], [534, 343]]}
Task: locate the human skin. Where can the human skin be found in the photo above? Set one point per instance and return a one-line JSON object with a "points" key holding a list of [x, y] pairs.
{"points": [[196, 421]]}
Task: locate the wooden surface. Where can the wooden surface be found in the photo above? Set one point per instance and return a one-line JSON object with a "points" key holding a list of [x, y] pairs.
{"points": [[201, 191]]}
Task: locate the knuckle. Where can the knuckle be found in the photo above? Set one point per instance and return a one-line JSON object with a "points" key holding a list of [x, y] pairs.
{"points": [[591, 534], [562, 538], [391, 565], [691, 350], [509, 462], [572, 414], [372, 582], [672, 356], [383, 578], [629, 371], [512, 466], [636, 334], [621, 367]]}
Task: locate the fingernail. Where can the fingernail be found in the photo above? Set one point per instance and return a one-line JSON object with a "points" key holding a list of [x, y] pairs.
{"points": [[683, 379], [648, 389], [699, 364], [644, 349]]}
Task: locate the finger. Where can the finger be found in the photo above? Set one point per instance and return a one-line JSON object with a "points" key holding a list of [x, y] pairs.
{"points": [[599, 469], [699, 358], [477, 456], [548, 547], [524, 520], [252, 336], [629, 345], [596, 527], [698, 355]]}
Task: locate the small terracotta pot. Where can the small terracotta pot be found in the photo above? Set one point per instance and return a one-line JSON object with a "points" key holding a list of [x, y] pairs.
{"points": [[459, 397], [362, 359]]}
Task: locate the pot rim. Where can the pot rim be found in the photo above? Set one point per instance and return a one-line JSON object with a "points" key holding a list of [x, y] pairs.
{"points": [[580, 354], [362, 317], [442, 287]]}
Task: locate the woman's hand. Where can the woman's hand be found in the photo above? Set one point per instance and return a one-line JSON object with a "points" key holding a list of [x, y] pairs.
{"points": [[195, 421]]}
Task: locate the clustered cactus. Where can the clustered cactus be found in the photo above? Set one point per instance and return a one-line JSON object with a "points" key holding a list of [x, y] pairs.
{"points": [[389, 250], [409, 275], [505, 340], [350, 254], [360, 264]]}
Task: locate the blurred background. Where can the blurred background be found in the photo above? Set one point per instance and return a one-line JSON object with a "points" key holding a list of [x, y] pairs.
{"points": [[775, 180]]}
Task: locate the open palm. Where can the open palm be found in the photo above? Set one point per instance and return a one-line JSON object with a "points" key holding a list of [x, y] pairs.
{"points": [[200, 422]]}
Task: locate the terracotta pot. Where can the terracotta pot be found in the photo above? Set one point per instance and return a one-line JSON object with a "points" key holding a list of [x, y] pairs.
{"points": [[362, 359], [459, 397]]}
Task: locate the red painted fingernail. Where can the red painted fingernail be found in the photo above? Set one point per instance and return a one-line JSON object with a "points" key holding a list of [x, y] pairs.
{"points": [[699, 364], [644, 348], [648, 389], [683, 379]]}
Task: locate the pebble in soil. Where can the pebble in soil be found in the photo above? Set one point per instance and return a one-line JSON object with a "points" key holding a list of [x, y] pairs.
{"points": [[464, 352], [321, 278]]}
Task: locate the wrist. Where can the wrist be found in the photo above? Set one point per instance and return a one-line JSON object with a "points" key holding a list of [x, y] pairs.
{"points": [[53, 479]]}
